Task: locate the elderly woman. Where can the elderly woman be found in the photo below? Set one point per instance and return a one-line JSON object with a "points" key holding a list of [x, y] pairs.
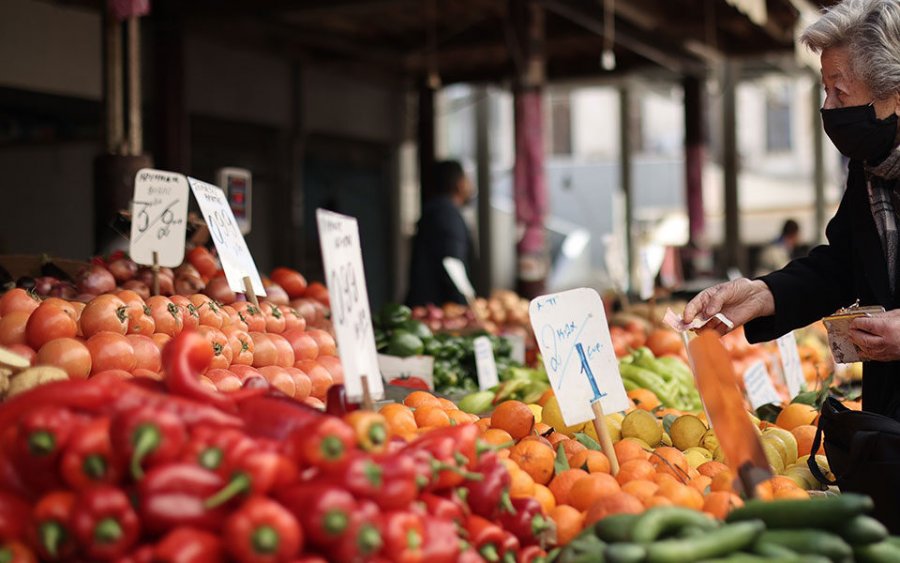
{"points": [[859, 44]]}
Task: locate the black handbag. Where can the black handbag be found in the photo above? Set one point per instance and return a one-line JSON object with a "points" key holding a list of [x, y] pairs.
{"points": [[863, 450]]}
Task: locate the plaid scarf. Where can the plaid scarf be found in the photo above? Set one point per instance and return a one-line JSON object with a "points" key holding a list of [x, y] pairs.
{"points": [[884, 201]]}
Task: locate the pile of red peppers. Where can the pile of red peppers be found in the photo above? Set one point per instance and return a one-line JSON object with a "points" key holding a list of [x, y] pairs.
{"points": [[136, 471]]}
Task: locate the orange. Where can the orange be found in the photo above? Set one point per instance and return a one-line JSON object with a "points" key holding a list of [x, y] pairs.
{"points": [[682, 495], [797, 494], [497, 437], [515, 417], [628, 449], [796, 414], [540, 440], [635, 469], [588, 490], [545, 397], [391, 407], [446, 404], [670, 460], [784, 488], [594, 461], [484, 423], [569, 523], [805, 433], [418, 399], [400, 422], [719, 503], [700, 483], [711, 468], [457, 417], [431, 415], [555, 438], [540, 428], [543, 495], [562, 484], [658, 501], [534, 458], [644, 399], [521, 484], [572, 447], [723, 481], [665, 478], [614, 503], [641, 489]]}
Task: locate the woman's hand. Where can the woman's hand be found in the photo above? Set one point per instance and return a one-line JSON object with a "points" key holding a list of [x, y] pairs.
{"points": [[740, 300], [878, 336]]}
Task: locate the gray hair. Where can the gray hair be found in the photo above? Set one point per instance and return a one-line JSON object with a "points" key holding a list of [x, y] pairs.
{"points": [[870, 29]]}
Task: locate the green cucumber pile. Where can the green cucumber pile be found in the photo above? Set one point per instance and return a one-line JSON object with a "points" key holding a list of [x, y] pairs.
{"points": [[832, 528], [670, 379]]}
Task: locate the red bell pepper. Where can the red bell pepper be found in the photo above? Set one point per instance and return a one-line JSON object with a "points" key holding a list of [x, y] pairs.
{"points": [[489, 496], [336, 401], [42, 435], [442, 542], [147, 436], [510, 547], [323, 510], [104, 523], [527, 522], [217, 449], [325, 444], [175, 495], [51, 530], [15, 552], [262, 531], [533, 554], [309, 559], [486, 537], [275, 418], [361, 541], [451, 451], [404, 537], [141, 554], [188, 545], [256, 473], [14, 516], [10, 480], [88, 458], [371, 430], [185, 357]]}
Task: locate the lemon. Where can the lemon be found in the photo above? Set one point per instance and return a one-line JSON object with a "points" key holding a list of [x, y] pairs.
{"points": [[709, 440], [790, 443], [687, 431], [552, 416], [642, 425], [695, 457], [538, 412], [774, 455]]}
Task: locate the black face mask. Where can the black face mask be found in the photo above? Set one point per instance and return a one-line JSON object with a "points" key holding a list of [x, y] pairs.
{"points": [[858, 134]]}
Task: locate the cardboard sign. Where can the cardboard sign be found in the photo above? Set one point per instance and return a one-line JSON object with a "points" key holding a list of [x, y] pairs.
{"points": [[233, 252], [342, 258], [393, 367], [790, 363], [158, 217], [485, 365], [457, 272], [570, 326], [760, 390]]}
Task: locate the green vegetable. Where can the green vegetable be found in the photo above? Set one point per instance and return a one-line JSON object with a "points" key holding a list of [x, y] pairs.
{"points": [[586, 548], [862, 530], [772, 550], [477, 403], [667, 520], [404, 344], [393, 315], [418, 328], [812, 542], [616, 528], [825, 513], [716, 543], [625, 553], [882, 552]]}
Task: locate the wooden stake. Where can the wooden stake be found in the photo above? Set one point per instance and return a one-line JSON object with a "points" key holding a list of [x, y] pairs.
{"points": [[367, 403], [155, 270], [248, 291], [605, 438]]}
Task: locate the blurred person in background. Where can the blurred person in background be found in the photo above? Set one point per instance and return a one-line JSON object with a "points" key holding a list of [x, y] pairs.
{"points": [[859, 45], [777, 254], [441, 232]]}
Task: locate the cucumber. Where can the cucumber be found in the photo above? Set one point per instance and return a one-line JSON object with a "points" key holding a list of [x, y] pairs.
{"points": [[586, 548], [881, 552], [772, 550], [616, 528], [716, 543], [825, 513], [812, 542], [667, 520], [691, 532], [862, 530], [751, 558], [625, 553]]}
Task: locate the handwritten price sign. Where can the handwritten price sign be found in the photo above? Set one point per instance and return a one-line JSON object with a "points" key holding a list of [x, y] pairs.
{"points": [[233, 252], [790, 363], [574, 340], [342, 257], [158, 217]]}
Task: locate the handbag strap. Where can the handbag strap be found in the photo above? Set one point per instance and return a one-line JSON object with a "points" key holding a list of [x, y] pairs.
{"points": [[861, 442], [813, 464]]}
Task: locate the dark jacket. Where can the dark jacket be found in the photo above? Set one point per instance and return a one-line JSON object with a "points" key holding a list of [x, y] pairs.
{"points": [[441, 232], [850, 267]]}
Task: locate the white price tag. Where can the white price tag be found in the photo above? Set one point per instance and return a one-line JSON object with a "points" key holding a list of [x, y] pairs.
{"points": [[485, 365], [790, 363], [158, 217], [517, 343], [395, 367], [342, 258], [760, 390], [651, 259], [457, 272], [573, 337], [233, 252]]}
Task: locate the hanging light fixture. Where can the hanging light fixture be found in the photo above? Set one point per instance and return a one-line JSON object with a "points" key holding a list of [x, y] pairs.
{"points": [[608, 58], [434, 76]]}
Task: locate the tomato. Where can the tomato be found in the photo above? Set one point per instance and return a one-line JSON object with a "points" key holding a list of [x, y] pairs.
{"points": [[166, 315], [12, 328], [18, 300], [302, 384], [280, 379], [290, 280], [305, 347], [275, 321], [332, 365], [410, 382], [225, 380], [211, 314], [241, 345], [264, 351], [160, 339], [105, 313], [233, 318], [327, 346], [68, 354], [319, 292], [23, 350], [250, 314], [285, 356], [293, 320], [72, 308], [110, 350], [203, 260], [190, 317], [244, 372], [222, 353], [218, 289], [48, 322], [147, 374], [139, 319], [146, 353]]}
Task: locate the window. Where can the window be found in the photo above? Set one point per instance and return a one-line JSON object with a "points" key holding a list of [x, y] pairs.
{"points": [[778, 120], [560, 124]]}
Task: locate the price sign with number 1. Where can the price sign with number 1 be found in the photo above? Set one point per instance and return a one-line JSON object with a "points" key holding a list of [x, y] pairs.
{"points": [[342, 258], [158, 217]]}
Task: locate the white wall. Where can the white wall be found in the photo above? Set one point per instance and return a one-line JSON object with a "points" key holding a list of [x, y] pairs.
{"points": [[595, 123], [50, 48]]}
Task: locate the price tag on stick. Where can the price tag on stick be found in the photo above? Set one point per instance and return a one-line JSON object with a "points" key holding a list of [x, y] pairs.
{"points": [[158, 217], [790, 364], [485, 364], [342, 258], [233, 252], [760, 390]]}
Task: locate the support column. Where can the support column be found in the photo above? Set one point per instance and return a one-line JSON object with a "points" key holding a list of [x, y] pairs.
{"points": [[818, 161], [425, 140], [626, 147], [174, 145], [694, 149], [530, 189], [484, 282], [734, 254]]}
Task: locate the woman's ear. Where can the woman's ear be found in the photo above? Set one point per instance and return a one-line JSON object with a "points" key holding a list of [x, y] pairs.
{"points": [[897, 104]]}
